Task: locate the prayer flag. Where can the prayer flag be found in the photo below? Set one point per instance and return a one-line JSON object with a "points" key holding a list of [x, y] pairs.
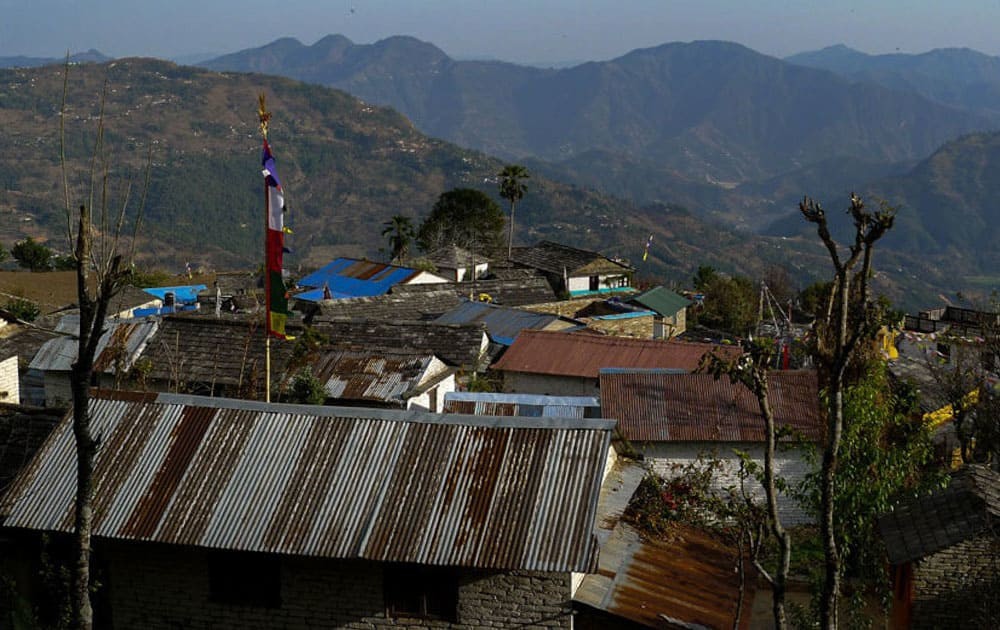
{"points": [[645, 252], [276, 296]]}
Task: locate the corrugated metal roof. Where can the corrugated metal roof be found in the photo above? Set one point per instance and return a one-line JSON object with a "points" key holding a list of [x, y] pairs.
{"points": [[531, 405], [400, 486], [560, 354], [663, 301], [348, 277], [503, 324], [383, 377], [691, 580], [119, 346], [660, 406]]}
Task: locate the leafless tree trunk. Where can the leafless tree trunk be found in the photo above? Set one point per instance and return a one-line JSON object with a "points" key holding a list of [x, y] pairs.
{"points": [[750, 369], [849, 318], [103, 259]]}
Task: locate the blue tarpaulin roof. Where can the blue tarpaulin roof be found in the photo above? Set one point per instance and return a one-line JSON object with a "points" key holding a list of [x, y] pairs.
{"points": [[182, 295], [349, 277]]}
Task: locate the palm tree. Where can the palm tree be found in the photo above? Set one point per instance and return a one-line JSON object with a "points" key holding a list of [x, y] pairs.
{"points": [[512, 189], [399, 230]]}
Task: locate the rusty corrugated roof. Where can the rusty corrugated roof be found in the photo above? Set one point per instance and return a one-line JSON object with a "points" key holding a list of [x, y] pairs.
{"points": [[658, 406], [503, 493], [562, 354], [119, 347], [376, 376], [690, 581]]}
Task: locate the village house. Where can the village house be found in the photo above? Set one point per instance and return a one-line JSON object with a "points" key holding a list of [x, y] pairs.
{"points": [[676, 420], [575, 272], [504, 324], [119, 348], [223, 513], [455, 263], [392, 379], [670, 309], [568, 364], [208, 355], [350, 277], [427, 302], [944, 548], [465, 346], [527, 405]]}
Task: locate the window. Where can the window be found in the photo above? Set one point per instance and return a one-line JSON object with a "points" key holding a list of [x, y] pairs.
{"points": [[245, 579], [423, 592], [595, 283]]}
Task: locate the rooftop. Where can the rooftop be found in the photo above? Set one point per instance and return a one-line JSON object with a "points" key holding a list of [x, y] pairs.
{"points": [[663, 301], [925, 525], [584, 355], [349, 277], [556, 259], [529, 405], [332, 482], [504, 324], [376, 376], [660, 406]]}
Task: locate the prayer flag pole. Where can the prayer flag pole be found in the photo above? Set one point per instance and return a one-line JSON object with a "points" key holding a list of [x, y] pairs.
{"points": [[265, 118]]}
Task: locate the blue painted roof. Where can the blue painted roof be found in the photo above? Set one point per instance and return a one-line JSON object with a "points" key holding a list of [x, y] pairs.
{"points": [[182, 294], [349, 277], [502, 323]]}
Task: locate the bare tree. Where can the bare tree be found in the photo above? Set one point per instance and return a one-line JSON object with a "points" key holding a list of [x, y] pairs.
{"points": [[750, 369], [101, 271], [850, 317]]}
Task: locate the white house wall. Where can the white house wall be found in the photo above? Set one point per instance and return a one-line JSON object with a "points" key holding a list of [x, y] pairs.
{"points": [[549, 385], [666, 458]]}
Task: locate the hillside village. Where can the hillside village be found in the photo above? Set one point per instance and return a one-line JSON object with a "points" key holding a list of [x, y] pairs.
{"points": [[471, 441]]}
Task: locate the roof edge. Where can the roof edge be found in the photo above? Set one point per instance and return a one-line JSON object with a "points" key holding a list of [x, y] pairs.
{"points": [[423, 417]]}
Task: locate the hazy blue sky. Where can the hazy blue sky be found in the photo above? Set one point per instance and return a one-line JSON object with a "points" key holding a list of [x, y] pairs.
{"points": [[515, 30]]}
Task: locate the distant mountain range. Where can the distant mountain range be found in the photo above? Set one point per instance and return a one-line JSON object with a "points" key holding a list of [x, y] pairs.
{"points": [[706, 112], [955, 76], [346, 166], [91, 56], [688, 117]]}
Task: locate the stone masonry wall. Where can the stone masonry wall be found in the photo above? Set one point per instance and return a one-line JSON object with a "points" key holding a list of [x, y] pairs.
{"points": [[10, 384], [959, 587], [161, 586]]}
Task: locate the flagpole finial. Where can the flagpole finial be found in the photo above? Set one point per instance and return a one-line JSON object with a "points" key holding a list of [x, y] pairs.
{"points": [[263, 115]]}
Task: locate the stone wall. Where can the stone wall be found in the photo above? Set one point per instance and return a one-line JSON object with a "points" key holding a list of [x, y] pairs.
{"points": [[639, 327], [10, 384], [959, 586], [160, 586]]}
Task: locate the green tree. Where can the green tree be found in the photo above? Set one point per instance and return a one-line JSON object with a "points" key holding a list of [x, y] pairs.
{"points": [[850, 321], [307, 389], [883, 432], [464, 217], [730, 304], [512, 188], [704, 276], [400, 233], [32, 255]]}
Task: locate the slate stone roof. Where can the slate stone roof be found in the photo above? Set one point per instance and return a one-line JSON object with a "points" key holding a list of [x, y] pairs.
{"points": [[554, 258], [515, 291], [398, 304], [206, 350], [23, 341], [453, 257], [458, 345], [925, 525], [503, 323], [129, 297]]}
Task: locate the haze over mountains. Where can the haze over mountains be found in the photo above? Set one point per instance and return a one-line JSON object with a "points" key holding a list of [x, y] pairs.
{"points": [[730, 134]]}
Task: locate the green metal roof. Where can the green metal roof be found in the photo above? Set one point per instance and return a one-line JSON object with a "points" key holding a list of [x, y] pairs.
{"points": [[663, 301]]}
